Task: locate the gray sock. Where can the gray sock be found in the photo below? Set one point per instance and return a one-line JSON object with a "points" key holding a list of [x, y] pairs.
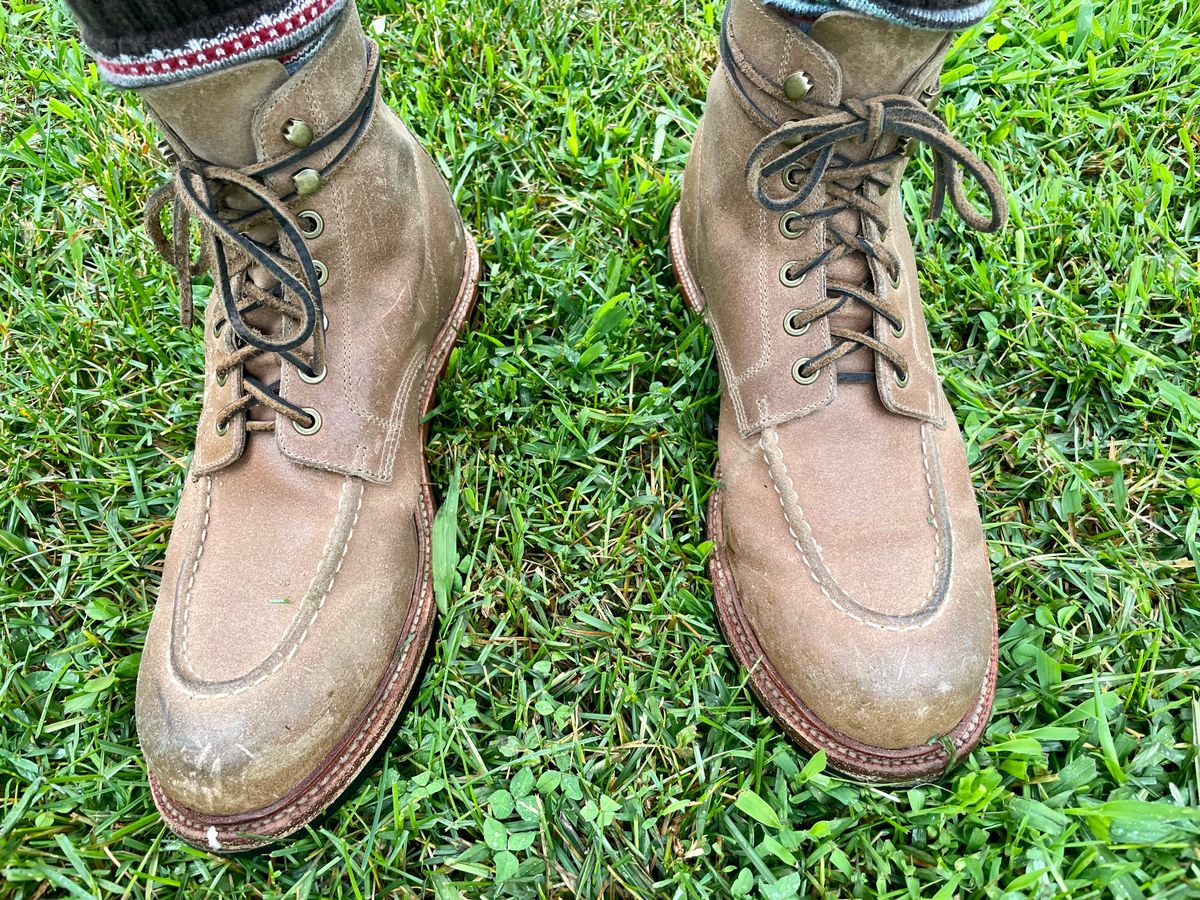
{"points": [[935, 15]]}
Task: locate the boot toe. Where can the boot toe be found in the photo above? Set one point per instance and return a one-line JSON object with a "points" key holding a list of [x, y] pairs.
{"points": [[891, 691], [258, 681], [216, 759], [221, 755], [875, 633]]}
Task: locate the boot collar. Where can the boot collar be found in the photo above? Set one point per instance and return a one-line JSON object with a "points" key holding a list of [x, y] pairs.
{"points": [[211, 118], [239, 116], [777, 68]]}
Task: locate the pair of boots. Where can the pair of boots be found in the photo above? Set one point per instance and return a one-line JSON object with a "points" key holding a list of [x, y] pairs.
{"points": [[849, 569]]}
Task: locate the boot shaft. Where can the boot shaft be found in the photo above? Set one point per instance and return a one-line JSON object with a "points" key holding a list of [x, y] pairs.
{"points": [[775, 63], [788, 211], [373, 216]]}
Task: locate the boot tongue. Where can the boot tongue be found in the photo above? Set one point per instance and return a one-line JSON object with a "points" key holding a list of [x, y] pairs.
{"points": [[875, 58], [213, 116]]}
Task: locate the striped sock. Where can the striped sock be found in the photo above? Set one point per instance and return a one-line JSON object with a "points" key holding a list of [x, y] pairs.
{"points": [[291, 34], [295, 59]]}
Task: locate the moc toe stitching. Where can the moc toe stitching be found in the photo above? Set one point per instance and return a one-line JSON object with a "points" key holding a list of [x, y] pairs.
{"points": [[187, 605], [882, 687], [931, 606], [185, 675], [281, 817]]}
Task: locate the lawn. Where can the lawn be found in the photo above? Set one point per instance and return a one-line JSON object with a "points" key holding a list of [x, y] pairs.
{"points": [[582, 729]]}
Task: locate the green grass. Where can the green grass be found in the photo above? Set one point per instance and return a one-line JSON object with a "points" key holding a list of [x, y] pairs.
{"points": [[581, 708]]}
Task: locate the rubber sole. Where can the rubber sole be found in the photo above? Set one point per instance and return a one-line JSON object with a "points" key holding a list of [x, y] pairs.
{"points": [[260, 827], [861, 761]]}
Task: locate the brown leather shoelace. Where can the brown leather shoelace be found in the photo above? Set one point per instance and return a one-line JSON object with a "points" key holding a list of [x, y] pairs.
{"points": [[204, 192], [810, 158], [248, 232]]}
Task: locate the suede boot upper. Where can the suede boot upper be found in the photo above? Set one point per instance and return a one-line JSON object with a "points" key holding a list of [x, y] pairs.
{"points": [[864, 600], [295, 603]]}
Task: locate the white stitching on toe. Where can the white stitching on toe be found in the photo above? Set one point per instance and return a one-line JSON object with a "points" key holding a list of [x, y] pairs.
{"points": [[187, 600], [793, 515], [282, 656]]}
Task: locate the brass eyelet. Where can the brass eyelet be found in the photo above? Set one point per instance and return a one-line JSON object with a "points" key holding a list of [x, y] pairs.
{"points": [[316, 378], [791, 177], [789, 324], [803, 379], [316, 226], [901, 378], [791, 225], [322, 271], [222, 429], [894, 280], [222, 379], [898, 330], [218, 327], [797, 85], [789, 280], [308, 429], [306, 182], [324, 321], [298, 133]]}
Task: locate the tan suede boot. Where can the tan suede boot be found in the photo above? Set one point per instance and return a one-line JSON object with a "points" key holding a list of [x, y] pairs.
{"points": [[850, 572], [296, 601]]}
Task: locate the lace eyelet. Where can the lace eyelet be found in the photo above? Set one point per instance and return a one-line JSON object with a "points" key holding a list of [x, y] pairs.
{"points": [[222, 428], [899, 330], [797, 85], [791, 177], [308, 429], [222, 379], [316, 224], [298, 133], [803, 379], [322, 271], [789, 280], [901, 378], [789, 324], [795, 140], [791, 226], [306, 182], [218, 327], [316, 378], [894, 280]]}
